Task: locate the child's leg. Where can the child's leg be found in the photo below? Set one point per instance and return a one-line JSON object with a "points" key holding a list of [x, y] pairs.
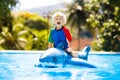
{"points": [[68, 50], [61, 45], [71, 52]]}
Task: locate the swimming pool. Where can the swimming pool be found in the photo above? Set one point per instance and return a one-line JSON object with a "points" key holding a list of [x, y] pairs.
{"points": [[20, 66]]}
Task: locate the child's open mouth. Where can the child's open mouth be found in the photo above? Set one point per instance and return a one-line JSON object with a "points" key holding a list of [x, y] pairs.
{"points": [[58, 23]]}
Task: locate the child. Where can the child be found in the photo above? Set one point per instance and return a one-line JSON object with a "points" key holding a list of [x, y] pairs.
{"points": [[59, 35]]}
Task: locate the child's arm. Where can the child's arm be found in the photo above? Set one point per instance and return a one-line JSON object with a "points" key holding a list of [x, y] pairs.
{"points": [[67, 34], [50, 40]]}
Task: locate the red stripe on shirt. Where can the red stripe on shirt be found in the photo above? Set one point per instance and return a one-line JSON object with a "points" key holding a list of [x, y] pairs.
{"points": [[67, 33]]}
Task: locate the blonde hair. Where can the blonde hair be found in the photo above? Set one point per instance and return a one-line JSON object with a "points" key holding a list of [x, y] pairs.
{"points": [[59, 14]]}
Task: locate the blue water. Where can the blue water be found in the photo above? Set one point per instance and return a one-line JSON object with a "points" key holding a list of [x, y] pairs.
{"points": [[21, 67]]}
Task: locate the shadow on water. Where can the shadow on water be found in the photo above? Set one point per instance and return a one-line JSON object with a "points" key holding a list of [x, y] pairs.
{"points": [[69, 73], [59, 75]]}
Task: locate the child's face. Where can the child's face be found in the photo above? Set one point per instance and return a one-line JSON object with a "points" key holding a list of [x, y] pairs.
{"points": [[59, 21]]}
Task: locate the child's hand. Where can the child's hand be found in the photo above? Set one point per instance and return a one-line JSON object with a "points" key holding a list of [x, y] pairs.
{"points": [[69, 50]]}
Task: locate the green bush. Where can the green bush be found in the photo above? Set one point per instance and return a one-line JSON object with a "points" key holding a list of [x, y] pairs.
{"points": [[25, 37], [40, 40]]}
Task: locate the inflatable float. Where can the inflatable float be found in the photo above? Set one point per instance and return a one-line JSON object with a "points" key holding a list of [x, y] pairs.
{"points": [[54, 57]]}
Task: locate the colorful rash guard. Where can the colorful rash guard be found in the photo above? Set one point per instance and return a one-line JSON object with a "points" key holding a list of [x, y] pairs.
{"points": [[60, 37]]}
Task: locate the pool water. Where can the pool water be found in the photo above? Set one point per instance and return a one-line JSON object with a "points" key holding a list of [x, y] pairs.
{"points": [[20, 66]]}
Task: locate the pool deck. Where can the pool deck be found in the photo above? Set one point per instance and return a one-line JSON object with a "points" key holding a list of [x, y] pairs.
{"points": [[102, 52], [41, 51]]}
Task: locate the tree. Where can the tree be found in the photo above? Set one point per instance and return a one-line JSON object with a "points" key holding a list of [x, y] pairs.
{"points": [[114, 2], [77, 16], [5, 13], [105, 18]]}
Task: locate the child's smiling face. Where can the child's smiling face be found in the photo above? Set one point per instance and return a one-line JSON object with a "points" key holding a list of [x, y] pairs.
{"points": [[59, 21]]}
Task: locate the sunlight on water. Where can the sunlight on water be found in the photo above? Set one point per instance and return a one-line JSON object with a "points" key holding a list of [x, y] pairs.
{"points": [[74, 74]]}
